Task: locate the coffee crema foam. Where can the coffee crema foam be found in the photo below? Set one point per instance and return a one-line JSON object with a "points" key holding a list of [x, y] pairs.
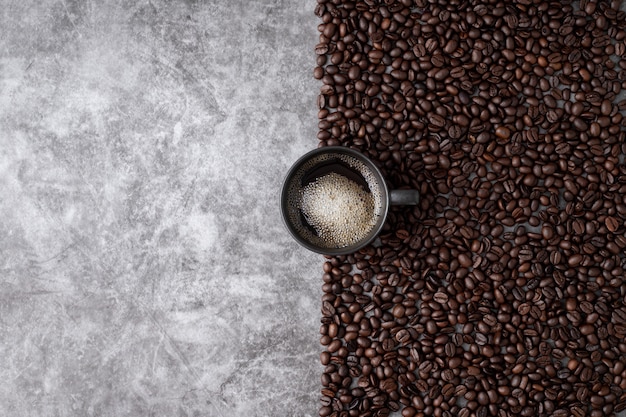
{"points": [[341, 212]]}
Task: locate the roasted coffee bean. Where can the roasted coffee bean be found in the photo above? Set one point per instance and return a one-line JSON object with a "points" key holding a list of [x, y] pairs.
{"points": [[327, 309], [455, 131], [437, 60], [447, 390], [481, 339], [612, 224], [619, 315], [575, 260], [450, 349], [441, 297], [437, 120]]}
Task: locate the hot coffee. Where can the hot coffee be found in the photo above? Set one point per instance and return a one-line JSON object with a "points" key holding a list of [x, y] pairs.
{"points": [[334, 201]]}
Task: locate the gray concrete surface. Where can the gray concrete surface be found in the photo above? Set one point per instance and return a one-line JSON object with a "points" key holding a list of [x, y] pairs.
{"points": [[144, 268]]}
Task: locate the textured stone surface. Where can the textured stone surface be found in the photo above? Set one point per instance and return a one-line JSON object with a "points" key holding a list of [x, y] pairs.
{"points": [[144, 269]]}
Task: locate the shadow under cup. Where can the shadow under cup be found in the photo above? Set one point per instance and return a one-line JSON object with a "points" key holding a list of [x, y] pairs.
{"points": [[321, 164]]}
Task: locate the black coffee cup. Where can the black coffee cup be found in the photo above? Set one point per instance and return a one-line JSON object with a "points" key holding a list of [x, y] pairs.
{"points": [[346, 177]]}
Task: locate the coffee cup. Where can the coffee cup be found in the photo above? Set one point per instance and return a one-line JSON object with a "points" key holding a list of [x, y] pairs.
{"points": [[334, 200]]}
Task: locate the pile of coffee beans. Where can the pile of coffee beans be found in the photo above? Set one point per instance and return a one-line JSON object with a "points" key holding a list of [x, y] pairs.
{"points": [[504, 292]]}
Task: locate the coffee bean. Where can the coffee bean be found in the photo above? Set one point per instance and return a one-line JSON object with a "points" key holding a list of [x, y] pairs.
{"points": [[437, 120], [325, 411], [441, 297], [574, 260], [455, 131], [612, 224], [327, 309], [619, 315], [457, 72], [447, 390], [490, 320], [503, 132], [481, 339], [425, 367], [321, 49], [525, 254], [403, 336], [437, 60]]}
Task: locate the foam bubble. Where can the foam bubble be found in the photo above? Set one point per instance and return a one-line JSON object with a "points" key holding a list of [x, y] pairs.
{"points": [[339, 209], [341, 212]]}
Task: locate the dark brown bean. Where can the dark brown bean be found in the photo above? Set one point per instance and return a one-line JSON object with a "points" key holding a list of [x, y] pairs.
{"points": [[612, 224]]}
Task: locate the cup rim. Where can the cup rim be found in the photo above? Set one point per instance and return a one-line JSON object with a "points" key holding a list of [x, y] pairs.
{"points": [[284, 194]]}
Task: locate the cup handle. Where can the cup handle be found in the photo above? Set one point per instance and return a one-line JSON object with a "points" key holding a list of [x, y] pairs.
{"points": [[404, 197]]}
